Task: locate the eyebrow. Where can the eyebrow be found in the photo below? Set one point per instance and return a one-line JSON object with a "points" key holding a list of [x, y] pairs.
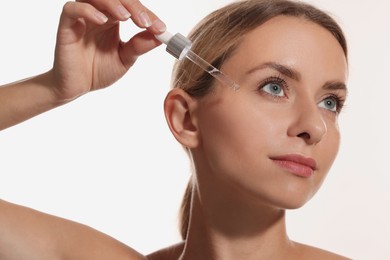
{"points": [[335, 85], [295, 75]]}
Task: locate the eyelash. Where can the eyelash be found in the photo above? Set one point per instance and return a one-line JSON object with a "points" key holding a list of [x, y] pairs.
{"points": [[281, 82], [275, 80], [339, 102]]}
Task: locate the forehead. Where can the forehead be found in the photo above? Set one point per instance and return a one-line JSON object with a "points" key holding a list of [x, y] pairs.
{"points": [[294, 42]]}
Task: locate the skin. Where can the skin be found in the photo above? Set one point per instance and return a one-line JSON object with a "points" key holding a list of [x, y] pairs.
{"points": [[241, 194], [89, 55], [238, 205]]}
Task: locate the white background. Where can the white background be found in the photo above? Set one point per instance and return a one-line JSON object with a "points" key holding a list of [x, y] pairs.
{"points": [[109, 161]]}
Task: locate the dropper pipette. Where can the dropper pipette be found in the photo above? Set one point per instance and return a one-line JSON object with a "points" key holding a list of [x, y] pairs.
{"points": [[180, 47]]}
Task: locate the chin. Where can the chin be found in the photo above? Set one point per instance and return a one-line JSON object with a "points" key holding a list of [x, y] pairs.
{"points": [[292, 201], [293, 205], [284, 198]]}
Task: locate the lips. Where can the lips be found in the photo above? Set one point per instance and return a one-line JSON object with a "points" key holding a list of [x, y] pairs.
{"points": [[296, 164]]}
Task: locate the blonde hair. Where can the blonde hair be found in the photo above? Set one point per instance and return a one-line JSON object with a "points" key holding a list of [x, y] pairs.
{"points": [[217, 36]]}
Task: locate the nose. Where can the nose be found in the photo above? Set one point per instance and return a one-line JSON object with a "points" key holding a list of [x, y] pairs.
{"points": [[308, 124]]}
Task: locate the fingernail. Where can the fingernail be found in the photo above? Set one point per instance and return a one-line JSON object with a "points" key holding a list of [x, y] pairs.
{"points": [[101, 17], [159, 25], [123, 12], [144, 19]]}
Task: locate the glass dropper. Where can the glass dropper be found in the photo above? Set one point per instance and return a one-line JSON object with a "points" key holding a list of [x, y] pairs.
{"points": [[180, 47]]}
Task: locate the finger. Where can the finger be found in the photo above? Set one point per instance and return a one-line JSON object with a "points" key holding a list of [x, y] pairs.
{"points": [[124, 9], [75, 10], [143, 17], [113, 7], [139, 44]]}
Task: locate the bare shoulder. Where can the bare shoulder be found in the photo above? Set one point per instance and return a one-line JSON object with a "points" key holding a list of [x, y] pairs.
{"points": [[168, 253], [37, 235], [311, 252]]}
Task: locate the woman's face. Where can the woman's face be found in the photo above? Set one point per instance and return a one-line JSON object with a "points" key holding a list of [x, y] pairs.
{"points": [[276, 138]]}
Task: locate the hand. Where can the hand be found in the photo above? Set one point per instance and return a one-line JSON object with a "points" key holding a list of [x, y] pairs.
{"points": [[89, 53]]}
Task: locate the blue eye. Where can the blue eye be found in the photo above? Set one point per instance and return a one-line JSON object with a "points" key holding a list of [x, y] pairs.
{"points": [[274, 89], [330, 103]]}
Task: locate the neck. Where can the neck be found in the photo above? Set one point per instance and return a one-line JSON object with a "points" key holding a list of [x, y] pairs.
{"points": [[223, 227]]}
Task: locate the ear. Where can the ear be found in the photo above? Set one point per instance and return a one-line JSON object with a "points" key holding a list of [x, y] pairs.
{"points": [[179, 108]]}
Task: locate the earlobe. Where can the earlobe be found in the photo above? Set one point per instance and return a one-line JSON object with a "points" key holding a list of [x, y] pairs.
{"points": [[179, 110]]}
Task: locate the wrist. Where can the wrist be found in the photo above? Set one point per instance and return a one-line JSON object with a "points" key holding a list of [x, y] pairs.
{"points": [[62, 91], [57, 96]]}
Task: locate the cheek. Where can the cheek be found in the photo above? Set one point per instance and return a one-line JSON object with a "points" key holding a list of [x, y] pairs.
{"points": [[237, 134], [325, 153], [329, 147]]}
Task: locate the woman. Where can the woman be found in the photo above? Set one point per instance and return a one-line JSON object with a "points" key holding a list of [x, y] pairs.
{"points": [[255, 152]]}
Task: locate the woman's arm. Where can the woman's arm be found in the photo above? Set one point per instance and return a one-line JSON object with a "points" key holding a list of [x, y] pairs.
{"points": [[27, 98], [89, 55]]}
